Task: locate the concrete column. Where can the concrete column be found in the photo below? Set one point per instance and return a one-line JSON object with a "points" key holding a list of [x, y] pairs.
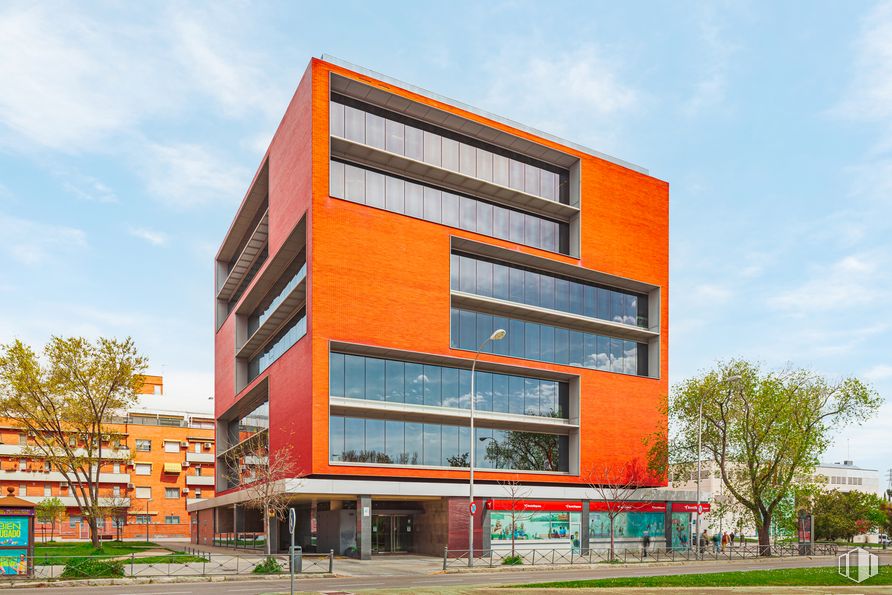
{"points": [[486, 537], [583, 528], [364, 527], [274, 535], [667, 523]]}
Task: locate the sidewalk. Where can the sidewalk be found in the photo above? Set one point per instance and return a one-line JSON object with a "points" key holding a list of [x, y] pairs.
{"points": [[384, 565]]}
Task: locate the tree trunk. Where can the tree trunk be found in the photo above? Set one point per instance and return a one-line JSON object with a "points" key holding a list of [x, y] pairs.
{"points": [[266, 527], [611, 539], [94, 531], [53, 530], [765, 537]]}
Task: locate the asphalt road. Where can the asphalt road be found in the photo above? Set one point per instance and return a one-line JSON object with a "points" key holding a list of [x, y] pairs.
{"points": [[427, 581]]}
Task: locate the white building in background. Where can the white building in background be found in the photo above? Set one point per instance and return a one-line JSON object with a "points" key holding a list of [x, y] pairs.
{"points": [[847, 477]]}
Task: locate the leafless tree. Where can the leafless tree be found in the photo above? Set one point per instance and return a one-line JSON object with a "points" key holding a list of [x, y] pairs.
{"points": [[515, 494], [261, 474], [616, 485]]}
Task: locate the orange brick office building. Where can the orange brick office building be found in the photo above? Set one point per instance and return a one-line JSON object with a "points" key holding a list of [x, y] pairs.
{"points": [[387, 233], [164, 462]]}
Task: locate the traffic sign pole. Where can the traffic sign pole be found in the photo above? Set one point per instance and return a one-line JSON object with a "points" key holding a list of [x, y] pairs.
{"points": [[292, 523]]}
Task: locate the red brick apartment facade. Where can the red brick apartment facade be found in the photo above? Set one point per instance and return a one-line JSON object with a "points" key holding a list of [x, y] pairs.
{"points": [[386, 234], [165, 462]]}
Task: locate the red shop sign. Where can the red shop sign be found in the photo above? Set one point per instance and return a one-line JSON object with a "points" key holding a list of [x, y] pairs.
{"points": [[689, 507], [534, 505], [601, 506]]}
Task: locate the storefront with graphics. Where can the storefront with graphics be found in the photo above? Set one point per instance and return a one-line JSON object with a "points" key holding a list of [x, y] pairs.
{"points": [[16, 536], [535, 524]]}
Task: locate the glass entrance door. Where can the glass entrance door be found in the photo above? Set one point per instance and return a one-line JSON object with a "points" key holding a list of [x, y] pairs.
{"points": [[391, 533]]}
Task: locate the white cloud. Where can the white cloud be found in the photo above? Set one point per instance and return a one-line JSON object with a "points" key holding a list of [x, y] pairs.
{"points": [[32, 243], [530, 83], [88, 188], [156, 238], [710, 89], [188, 175], [69, 83], [230, 74], [869, 95], [878, 372], [712, 293], [183, 389], [847, 283]]}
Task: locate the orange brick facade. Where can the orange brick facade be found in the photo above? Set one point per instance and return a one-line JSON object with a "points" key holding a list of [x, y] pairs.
{"points": [[381, 281]]}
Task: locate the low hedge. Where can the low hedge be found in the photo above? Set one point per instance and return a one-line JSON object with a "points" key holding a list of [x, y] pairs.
{"points": [[93, 568]]}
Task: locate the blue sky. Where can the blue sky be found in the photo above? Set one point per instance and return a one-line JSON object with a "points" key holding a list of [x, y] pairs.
{"points": [[129, 132]]}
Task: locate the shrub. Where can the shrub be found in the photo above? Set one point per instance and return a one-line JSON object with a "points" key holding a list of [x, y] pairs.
{"points": [[512, 560], [268, 566], [93, 568]]}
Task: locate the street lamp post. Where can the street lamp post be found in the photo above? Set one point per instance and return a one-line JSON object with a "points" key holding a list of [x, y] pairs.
{"points": [[497, 335], [700, 459], [147, 519]]}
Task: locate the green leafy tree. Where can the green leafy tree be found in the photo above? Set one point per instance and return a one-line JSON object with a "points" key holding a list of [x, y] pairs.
{"points": [[66, 398], [842, 515], [50, 510], [764, 431]]}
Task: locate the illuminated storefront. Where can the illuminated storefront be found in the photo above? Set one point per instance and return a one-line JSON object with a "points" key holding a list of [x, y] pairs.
{"points": [[557, 525]]}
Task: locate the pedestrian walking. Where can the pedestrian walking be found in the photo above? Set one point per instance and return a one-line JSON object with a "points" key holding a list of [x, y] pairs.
{"points": [[704, 539], [716, 542], [731, 539], [645, 542], [724, 541]]}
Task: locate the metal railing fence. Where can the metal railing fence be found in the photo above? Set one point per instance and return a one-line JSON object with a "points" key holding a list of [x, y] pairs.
{"points": [[190, 563], [538, 556]]}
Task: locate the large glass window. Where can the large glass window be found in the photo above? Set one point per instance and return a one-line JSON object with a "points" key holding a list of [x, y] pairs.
{"points": [[481, 276], [535, 526], [554, 344], [627, 524], [293, 275], [284, 339], [376, 127], [376, 379], [394, 442], [385, 191]]}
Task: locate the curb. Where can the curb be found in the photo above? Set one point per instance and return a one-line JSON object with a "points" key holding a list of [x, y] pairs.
{"points": [[604, 565], [104, 582]]}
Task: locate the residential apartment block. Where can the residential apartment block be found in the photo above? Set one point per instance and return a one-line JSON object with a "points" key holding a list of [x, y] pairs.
{"points": [[387, 233], [164, 461]]}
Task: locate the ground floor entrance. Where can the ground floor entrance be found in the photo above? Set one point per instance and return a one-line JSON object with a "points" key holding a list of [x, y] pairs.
{"points": [[391, 533]]}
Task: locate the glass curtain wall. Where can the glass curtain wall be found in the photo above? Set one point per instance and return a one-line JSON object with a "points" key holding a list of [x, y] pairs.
{"points": [[386, 191], [375, 379], [398, 134], [395, 442], [290, 334], [543, 342], [489, 278]]}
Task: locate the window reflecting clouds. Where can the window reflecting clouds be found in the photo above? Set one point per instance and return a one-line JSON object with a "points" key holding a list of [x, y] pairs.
{"points": [[375, 127], [394, 442], [557, 345], [375, 379], [384, 191], [519, 284]]}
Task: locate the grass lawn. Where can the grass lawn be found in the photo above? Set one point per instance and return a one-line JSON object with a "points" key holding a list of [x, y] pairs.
{"points": [[787, 577], [61, 552]]}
